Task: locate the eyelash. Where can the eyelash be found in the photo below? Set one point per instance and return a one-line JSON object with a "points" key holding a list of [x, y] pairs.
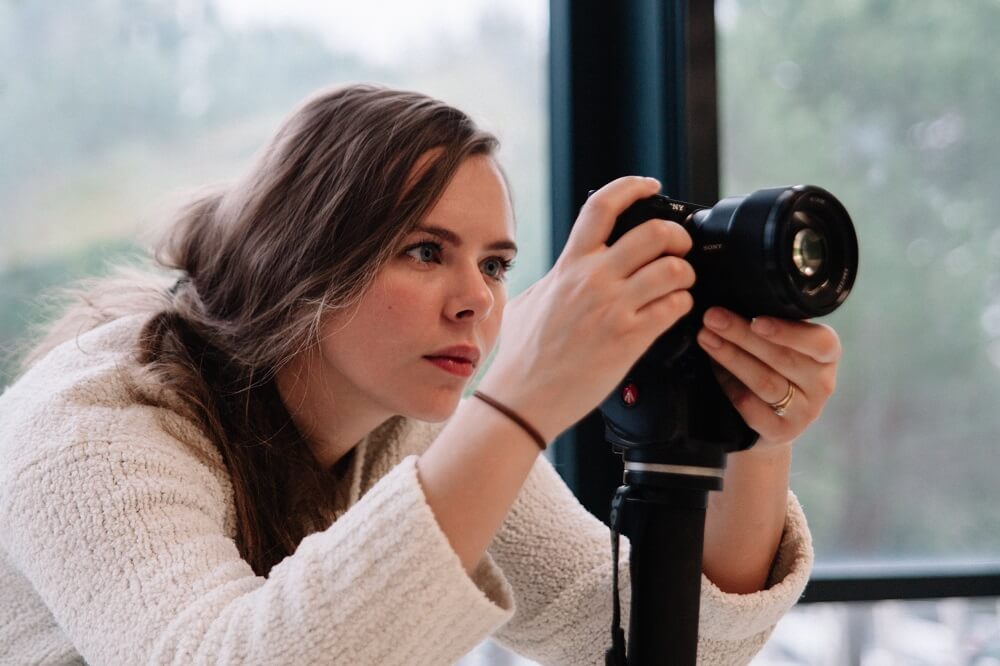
{"points": [[506, 264]]}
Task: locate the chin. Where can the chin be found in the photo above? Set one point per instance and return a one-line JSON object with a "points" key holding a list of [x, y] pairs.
{"points": [[436, 411]]}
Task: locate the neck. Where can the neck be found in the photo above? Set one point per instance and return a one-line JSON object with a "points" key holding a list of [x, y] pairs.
{"points": [[333, 421]]}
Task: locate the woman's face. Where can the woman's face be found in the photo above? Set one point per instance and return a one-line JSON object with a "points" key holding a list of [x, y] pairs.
{"points": [[427, 299]]}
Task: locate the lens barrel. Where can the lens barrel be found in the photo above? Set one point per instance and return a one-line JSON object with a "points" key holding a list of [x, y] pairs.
{"points": [[790, 252]]}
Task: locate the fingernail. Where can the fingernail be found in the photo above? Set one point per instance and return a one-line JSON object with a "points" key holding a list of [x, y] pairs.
{"points": [[653, 180], [717, 319], [762, 326], [709, 339]]}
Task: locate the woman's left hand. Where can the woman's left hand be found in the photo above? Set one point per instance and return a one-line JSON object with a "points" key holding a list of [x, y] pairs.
{"points": [[760, 363]]}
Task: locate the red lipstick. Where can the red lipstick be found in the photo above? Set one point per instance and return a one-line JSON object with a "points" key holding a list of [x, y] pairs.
{"points": [[453, 365], [459, 360]]}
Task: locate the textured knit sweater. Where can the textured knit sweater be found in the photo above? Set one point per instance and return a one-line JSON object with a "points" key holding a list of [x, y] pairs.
{"points": [[117, 528]]}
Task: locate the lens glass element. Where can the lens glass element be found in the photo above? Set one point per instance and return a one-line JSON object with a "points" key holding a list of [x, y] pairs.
{"points": [[808, 252]]}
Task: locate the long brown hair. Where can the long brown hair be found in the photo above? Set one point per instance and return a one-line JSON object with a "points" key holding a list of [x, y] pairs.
{"points": [[263, 262]]}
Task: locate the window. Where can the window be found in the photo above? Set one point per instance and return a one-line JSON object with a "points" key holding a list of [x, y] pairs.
{"points": [[889, 106], [891, 110]]}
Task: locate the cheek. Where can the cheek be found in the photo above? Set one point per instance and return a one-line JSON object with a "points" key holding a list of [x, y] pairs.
{"points": [[392, 318], [402, 306], [385, 314]]}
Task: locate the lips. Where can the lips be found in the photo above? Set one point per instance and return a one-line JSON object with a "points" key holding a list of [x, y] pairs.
{"points": [[462, 353], [453, 366]]}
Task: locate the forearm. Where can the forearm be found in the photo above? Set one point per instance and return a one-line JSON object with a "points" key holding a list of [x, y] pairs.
{"points": [[744, 522], [472, 473]]}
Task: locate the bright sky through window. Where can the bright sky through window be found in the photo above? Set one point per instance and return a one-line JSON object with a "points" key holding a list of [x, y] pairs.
{"points": [[383, 32]]}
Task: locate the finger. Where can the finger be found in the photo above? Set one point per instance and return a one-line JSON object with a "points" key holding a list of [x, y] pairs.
{"points": [[597, 216], [657, 279], [659, 315], [798, 367], [768, 384], [646, 242], [818, 341], [758, 414]]}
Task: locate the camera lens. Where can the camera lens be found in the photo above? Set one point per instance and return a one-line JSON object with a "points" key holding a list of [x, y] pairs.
{"points": [[789, 252], [808, 252]]}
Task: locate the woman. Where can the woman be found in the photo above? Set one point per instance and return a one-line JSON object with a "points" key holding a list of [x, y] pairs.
{"points": [[268, 459]]}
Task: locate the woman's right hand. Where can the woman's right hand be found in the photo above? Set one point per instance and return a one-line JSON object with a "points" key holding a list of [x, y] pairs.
{"points": [[569, 339]]}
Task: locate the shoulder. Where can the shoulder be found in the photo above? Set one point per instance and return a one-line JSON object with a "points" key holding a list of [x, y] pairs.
{"points": [[78, 402]]}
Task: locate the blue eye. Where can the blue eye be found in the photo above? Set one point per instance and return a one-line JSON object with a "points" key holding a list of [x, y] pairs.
{"points": [[428, 251], [436, 250], [505, 266]]}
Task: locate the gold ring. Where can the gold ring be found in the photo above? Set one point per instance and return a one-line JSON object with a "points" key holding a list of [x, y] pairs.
{"points": [[782, 405]]}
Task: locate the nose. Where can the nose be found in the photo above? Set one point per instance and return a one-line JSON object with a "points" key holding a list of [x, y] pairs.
{"points": [[472, 299]]}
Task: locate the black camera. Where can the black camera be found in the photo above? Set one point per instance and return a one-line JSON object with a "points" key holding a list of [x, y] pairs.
{"points": [[788, 252]]}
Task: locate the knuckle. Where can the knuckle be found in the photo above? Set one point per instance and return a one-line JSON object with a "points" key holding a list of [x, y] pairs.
{"points": [[645, 185], [786, 358], [678, 271], [674, 236], [563, 273], [620, 327], [687, 300], [672, 268], [771, 385], [611, 319], [598, 205], [742, 400], [684, 240], [671, 308], [682, 301], [827, 383], [725, 354], [659, 232]]}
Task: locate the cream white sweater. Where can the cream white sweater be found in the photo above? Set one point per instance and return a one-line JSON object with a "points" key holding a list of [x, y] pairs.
{"points": [[116, 547]]}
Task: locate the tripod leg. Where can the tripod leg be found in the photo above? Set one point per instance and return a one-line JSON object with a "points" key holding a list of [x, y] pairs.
{"points": [[666, 530]]}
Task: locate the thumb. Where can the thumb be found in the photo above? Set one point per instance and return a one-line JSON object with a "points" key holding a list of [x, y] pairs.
{"points": [[593, 225]]}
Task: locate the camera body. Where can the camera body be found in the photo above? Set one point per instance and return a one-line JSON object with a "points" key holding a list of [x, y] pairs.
{"points": [[789, 252]]}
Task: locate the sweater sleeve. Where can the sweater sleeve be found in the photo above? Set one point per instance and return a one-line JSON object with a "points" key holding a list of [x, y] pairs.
{"points": [[123, 535], [557, 558]]}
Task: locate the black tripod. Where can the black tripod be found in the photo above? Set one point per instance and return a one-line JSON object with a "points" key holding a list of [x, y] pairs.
{"points": [[661, 509], [673, 458]]}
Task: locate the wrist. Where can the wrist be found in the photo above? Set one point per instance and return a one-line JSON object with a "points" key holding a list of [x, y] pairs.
{"points": [[766, 451], [507, 392], [536, 436]]}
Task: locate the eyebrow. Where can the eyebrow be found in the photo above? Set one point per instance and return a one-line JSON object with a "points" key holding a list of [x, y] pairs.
{"points": [[454, 239]]}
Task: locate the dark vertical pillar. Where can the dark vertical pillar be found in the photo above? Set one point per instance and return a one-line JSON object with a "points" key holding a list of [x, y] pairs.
{"points": [[633, 91]]}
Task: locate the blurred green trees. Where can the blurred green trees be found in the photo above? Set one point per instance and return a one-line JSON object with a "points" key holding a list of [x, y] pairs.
{"points": [[890, 105]]}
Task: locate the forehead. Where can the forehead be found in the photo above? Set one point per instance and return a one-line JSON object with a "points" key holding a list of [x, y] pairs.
{"points": [[475, 204]]}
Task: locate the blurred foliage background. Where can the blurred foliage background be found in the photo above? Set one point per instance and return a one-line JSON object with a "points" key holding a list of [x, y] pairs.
{"points": [[110, 111], [891, 106]]}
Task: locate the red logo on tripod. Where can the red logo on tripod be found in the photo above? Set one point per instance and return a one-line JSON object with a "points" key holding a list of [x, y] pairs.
{"points": [[630, 394]]}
